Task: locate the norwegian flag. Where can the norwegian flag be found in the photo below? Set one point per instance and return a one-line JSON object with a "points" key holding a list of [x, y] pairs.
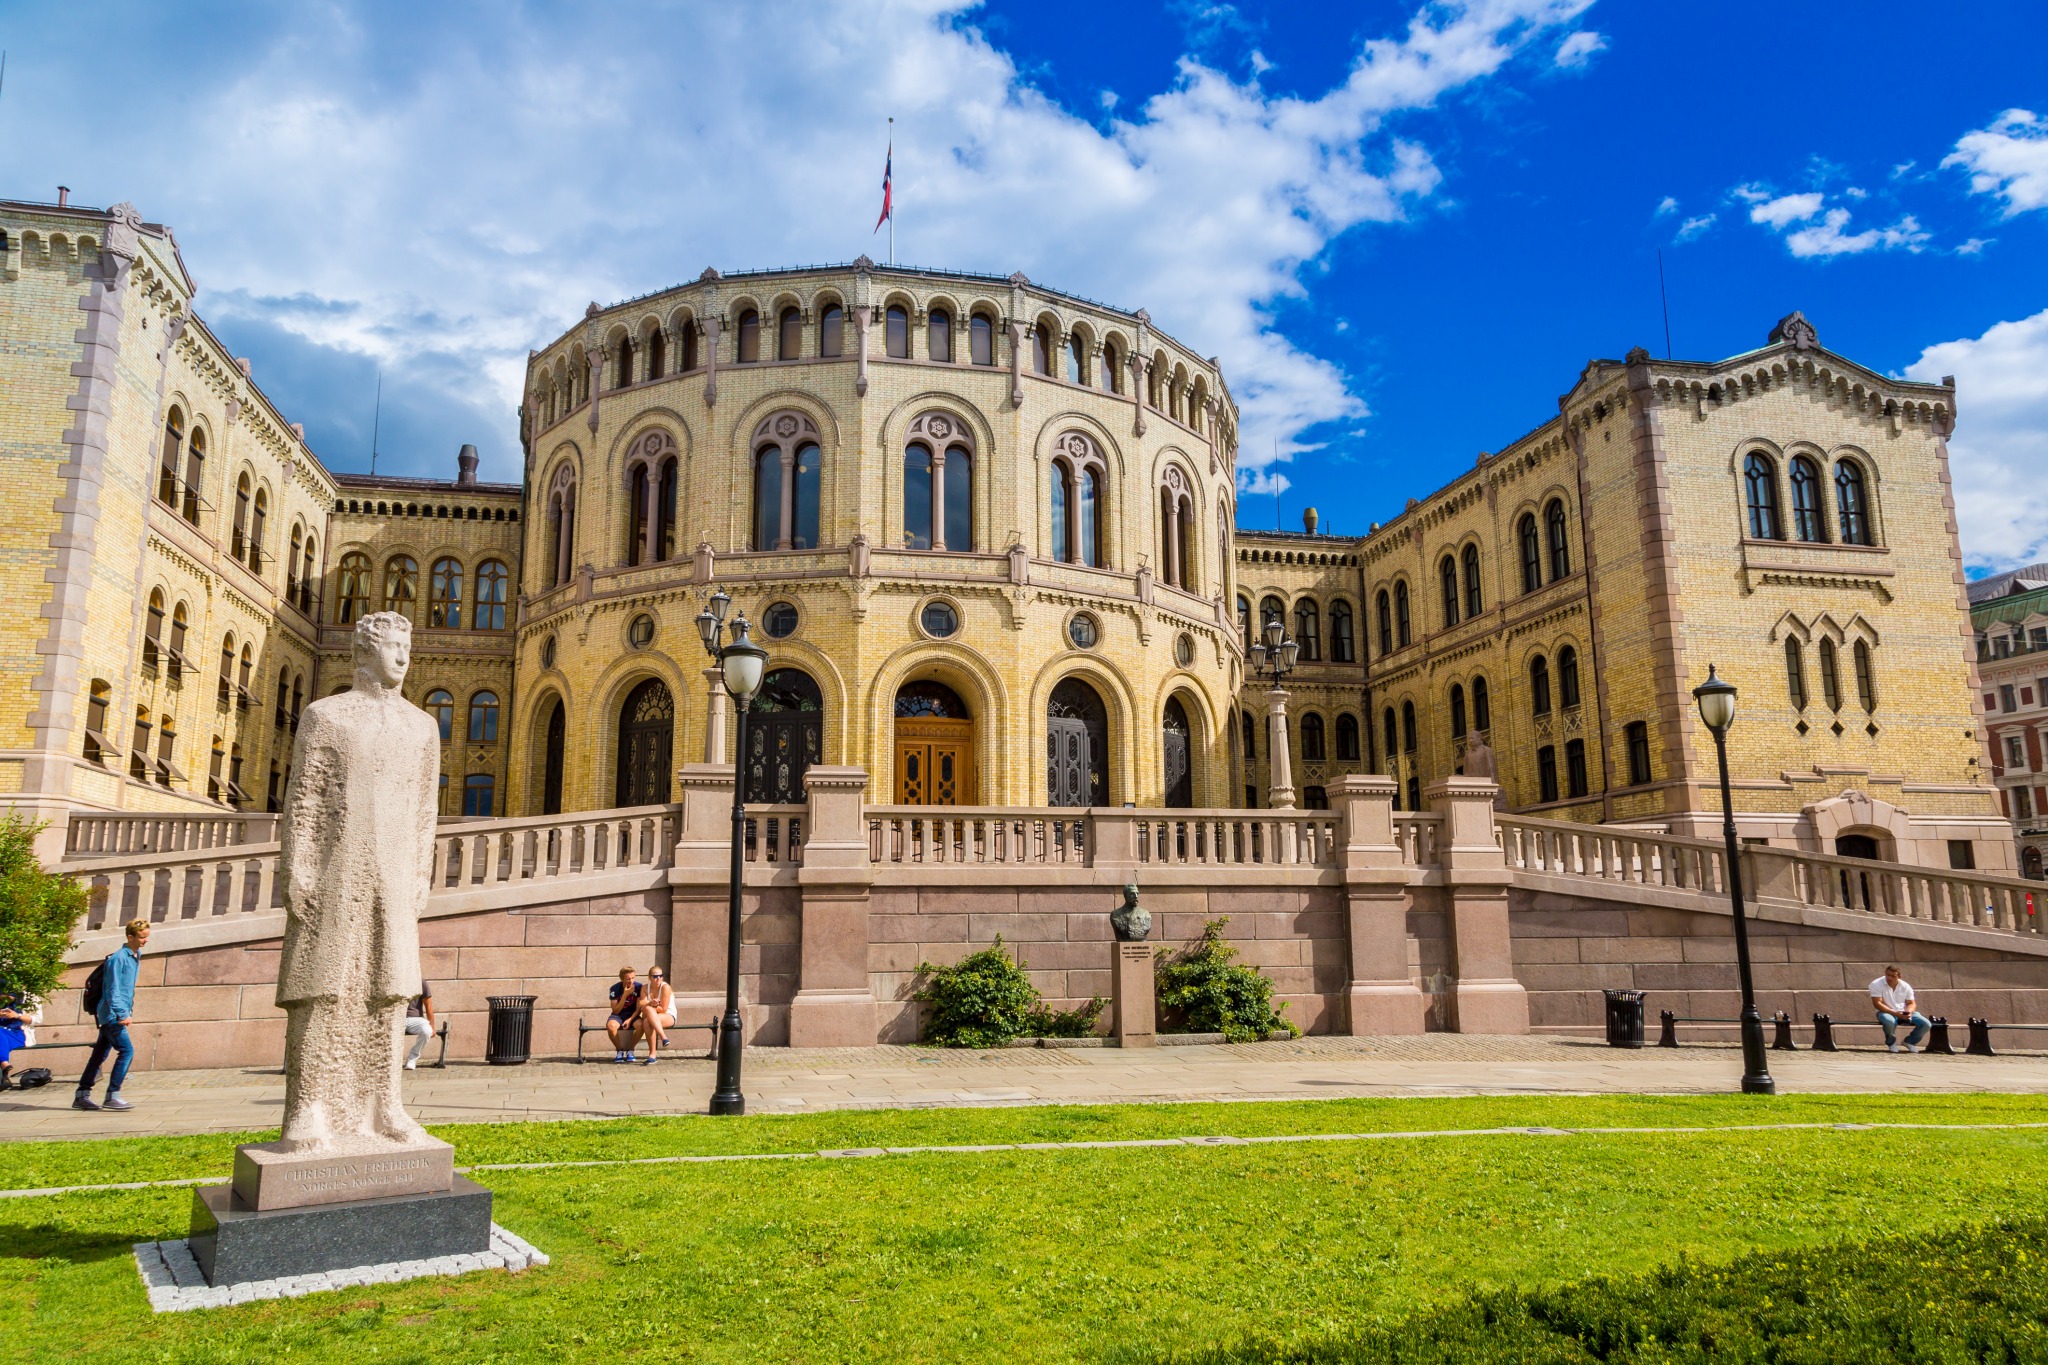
{"points": [[888, 210]]}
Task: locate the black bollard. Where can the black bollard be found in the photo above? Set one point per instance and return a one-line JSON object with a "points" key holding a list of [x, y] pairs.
{"points": [[1980, 1038], [1668, 1034], [1781, 1026], [1824, 1034], [1937, 1037]]}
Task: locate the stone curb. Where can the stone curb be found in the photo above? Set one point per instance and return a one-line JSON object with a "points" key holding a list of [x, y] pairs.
{"points": [[172, 1277]]}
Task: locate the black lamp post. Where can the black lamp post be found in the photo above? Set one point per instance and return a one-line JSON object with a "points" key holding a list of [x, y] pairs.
{"points": [[740, 665], [1716, 700]]}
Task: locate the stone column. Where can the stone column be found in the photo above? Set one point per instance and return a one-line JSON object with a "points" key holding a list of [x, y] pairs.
{"points": [[1486, 997], [697, 890], [938, 497], [785, 513], [834, 1004], [1279, 758], [714, 715], [1383, 998]]}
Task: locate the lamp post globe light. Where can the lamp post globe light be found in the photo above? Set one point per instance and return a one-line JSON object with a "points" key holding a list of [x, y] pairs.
{"points": [[1273, 656], [1716, 699], [741, 665]]}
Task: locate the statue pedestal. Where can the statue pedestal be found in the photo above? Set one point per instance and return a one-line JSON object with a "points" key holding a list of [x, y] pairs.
{"points": [[1133, 994], [293, 1213]]}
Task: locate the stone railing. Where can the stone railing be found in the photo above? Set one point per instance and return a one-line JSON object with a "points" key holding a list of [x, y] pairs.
{"points": [[531, 850], [1416, 837], [775, 834], [1232, 838], [987, 835], [116, 833], [1612, 854]]}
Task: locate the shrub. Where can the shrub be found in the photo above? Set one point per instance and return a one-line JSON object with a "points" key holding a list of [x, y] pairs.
{"points": [[1203, 990], [1078, 1022], [983, 1000], [38, 911]]}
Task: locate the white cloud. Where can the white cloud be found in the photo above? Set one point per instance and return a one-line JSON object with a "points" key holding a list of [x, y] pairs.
{"points": [[1826, 237], [2009, 158], [1578, 49], [1666, 206], [1785, 209], [440, 219], [1693, 227], [2001, 439]]}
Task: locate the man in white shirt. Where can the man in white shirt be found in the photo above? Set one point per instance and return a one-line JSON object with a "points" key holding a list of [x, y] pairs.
{"points": [[1892, 998]]}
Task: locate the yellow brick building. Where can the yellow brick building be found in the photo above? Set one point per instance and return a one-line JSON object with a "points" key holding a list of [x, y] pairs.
{"points": [[987, 533]]}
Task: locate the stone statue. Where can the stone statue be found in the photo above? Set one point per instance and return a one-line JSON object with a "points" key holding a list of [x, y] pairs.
{"points": [[1132, 921], [1479, 759], [356, 850]]}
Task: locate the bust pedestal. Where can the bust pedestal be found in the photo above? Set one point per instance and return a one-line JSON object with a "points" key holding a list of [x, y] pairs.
{"points": [[1131, 990]]}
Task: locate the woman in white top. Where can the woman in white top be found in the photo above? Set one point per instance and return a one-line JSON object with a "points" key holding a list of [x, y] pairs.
{"points": [[657, 1013]]}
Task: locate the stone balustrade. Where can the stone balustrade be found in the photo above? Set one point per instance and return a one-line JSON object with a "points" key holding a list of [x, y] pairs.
{"points": [[115, 833]]}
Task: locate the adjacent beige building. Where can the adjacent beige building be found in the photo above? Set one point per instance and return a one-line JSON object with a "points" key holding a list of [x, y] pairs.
{"points": [[2010, 614]]}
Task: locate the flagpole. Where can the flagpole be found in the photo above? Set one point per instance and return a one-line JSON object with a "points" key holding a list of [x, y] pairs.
{"points": [[892, 203]]}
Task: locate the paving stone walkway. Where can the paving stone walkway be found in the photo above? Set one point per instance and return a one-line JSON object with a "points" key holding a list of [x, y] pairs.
{"points": [[788, 1080]]}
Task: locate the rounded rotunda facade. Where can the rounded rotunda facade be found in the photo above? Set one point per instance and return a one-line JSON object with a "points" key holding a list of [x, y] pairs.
{"points": [[983, 530]]}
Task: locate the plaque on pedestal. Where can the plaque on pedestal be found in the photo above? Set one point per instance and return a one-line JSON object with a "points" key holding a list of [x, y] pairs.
{"points": [[269, 1178]]}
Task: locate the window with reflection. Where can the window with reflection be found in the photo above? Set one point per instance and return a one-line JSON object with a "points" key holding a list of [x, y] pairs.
{"points": [[1568, 677], [195, 475], [1112, 368], [173, 447], [1760, 489], [689, 344], [896, 332], [1806, 514], [1560, 546], [1041, 349], [1308, 630], [656, 348], [1474, 598], [440, 704], [917, 496], [1830, 675], [749, 341], [1312, 737], [1539, 685], [1866, 676], [832, 331], [1447, 580], [789, 334], [1077, 359], [767, 497], [1343, 649], [1457, 710], [1532, 552], [401, 583], [1347, 738], [483, 718], [1402, 633], [479, 792], [1852, 503], [493, 580], [1244, 622], [622, 363], [981, 339], [1386, 622], [938, 336], [444, 594], [1408, 727], [1482, 708], [352, 588], [1073, 496], [1795, 673]]}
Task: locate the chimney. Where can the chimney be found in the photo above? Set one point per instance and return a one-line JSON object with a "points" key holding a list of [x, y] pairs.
{"points": [[63, 195], [465, 467], [1308, 520]]}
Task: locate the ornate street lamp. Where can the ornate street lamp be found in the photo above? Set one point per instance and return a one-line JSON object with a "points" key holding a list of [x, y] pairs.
{"points": [[1716, 700], [1273, 656], [740, 665]]}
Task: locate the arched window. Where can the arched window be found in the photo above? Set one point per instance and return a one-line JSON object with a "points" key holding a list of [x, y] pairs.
{"points": [[1402, 635], [959, 499], [1447, 580], [622, 363], [1077, 359], [1830, 676], [1112, 368], [1061, 498], [636, 514], [1457, 711], [444, 594], [483, 718], [180, 624], [1271, 609], [167, 468], [1244, 621], [1386, 616], [1251, 737], [291, 565], [492, 580], [1347, 738], [896, 332], [1076, 745], [441, 706], [1795, 672], [749, 337], [1408, 727], [1312, 749], [917, 496], [1760, 488], [1308, 630], [789, 335], [1806, 519], [938, 336], [307, 559], [1866, 679], [831, 331], [768, 498], [352, 589], [657, 353], [1568, 677], [1560, 547], [1342, 649], [1852, 504], [981, 339], [139, 765], [1532, 552], [479, 794], [562, 526], [1388, 738], [401, 583], [1178, 536], [195, 475], [689, 345], [256, 516], [1474, 599], [238, 546], [227, 667], [1539, 685], [243, 678], [99, 747], [1041, 349], [1482, 708], [1076, 498]]}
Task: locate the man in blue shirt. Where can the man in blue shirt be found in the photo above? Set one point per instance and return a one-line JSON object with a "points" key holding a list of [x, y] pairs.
{"points": [[117, 1004]]}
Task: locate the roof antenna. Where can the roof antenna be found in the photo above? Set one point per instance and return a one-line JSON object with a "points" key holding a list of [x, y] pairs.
{"points": [[1666, 299], [376, 420]]}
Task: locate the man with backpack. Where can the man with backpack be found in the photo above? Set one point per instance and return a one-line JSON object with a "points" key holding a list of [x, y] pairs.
{"points": [[110, 995]]}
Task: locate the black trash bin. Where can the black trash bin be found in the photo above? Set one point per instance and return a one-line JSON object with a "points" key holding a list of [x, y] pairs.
{"points": [[511, 1031], [1624, 1018]]}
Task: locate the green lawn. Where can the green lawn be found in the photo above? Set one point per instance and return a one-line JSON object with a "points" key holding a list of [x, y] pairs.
{"points": [[1046, 1255]]}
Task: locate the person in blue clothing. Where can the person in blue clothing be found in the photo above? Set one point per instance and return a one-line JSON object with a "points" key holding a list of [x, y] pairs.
{"points": [[117, 1005]]}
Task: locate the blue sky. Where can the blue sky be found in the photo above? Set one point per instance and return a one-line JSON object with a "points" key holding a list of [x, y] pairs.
{"points": [[1402, 229]]}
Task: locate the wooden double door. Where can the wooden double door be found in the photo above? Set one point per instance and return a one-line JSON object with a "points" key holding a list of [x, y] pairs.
{"points": [[935, 762]]}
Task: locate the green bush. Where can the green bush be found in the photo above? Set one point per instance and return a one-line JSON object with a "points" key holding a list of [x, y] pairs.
{"points": [[38, 911], [1973, 1295], [1204, 990], [1078, 1022], [983, 1000]]}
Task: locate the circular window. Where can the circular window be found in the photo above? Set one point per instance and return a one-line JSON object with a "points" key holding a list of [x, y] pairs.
{"points": [[939, 619], [1082, 631], [778, 622], [641, 633], [1184, 650], [547, 652]]}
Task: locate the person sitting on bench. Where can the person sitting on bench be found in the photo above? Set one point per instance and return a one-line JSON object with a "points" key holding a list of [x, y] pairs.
{"points": [[17, 1029], [1892, 997], [657, 1013], [419, 1024], [622, 1026]]}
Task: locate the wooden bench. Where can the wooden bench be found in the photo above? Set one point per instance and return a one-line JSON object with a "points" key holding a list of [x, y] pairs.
{"points": [[1824, 1027], [710, 1029]]}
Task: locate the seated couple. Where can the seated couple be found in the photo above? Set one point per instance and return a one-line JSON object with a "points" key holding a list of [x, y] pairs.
{"points": [[639, 1012]]}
